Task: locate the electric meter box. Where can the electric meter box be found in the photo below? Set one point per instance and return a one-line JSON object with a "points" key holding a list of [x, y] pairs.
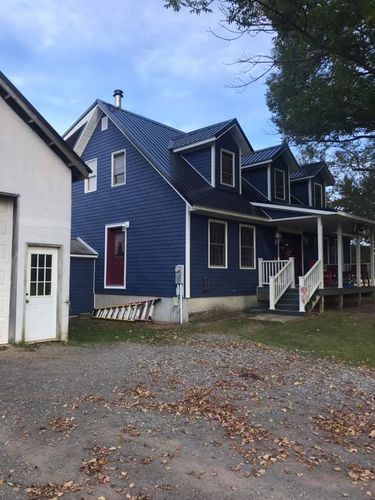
{"points": [[179, 275]]}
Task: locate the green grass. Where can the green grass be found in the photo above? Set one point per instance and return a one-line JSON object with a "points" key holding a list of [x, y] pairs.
{"points": [[341, 336], [348, 336]]}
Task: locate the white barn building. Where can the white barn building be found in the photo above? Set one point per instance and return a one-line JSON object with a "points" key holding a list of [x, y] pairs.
{"points": [[36, 171]]}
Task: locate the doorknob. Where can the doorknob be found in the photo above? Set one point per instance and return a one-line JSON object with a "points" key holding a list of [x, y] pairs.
{"points": [[27, 301]]}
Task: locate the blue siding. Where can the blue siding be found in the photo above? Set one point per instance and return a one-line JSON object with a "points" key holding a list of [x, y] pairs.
{"points": [[201, 161], [301, 191], [155, 212], [81, 286], [231, 281], [227, 142], [258, 178]]}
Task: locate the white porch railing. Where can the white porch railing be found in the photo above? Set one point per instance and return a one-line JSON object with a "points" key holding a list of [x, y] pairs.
{"points": [[309, 283], [281, 282], [267, 268]]}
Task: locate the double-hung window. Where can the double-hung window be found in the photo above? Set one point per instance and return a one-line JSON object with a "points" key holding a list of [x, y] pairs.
{"points": [[217, 244], [247, 247], [91, 181], [318, 195], [279, 183], [227, 165], [118, 168]]}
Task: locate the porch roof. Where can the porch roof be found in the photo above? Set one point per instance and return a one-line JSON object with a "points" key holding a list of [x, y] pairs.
{"points": [[307, 223]]}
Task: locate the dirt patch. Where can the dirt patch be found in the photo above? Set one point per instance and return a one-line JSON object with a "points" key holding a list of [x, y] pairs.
{"points": [[202, 419]]}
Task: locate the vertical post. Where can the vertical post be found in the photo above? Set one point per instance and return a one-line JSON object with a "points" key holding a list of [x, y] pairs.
{"points": [[301, 303], [320, 249], [272, 293], [358, 260], [372, 258], [340, 257], [293, 284], [260, 272]]}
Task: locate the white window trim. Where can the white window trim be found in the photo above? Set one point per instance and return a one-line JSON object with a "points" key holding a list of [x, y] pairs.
{"points": [[222, 150], [226, 243], [86, 183], [112, 167], [321, 195], [104, 123], [124, 226], [274, 184], [254, 247]]}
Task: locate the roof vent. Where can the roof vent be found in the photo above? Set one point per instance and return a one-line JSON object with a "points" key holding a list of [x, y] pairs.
{"points": [[118, 95]]}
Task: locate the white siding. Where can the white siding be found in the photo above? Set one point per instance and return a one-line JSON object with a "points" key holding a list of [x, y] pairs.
{"points": [[42, 184]]}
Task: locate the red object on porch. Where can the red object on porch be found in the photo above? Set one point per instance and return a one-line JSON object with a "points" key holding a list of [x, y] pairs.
{"points": [[330, 276]]}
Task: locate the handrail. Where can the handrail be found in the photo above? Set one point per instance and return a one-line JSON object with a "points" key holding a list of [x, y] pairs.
{"points": [[281, 282], [309, 283], [267, 268]]}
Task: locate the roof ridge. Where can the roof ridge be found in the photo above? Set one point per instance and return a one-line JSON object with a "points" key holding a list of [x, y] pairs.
{"points": [[209, 126], [141, 116], [269, 147]]}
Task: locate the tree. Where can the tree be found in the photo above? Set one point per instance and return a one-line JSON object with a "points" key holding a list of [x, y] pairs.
{"points": [[320, 74], [355, 195]]}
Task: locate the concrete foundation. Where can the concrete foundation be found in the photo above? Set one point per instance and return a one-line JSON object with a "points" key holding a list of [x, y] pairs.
{"points": [[166, 309]]}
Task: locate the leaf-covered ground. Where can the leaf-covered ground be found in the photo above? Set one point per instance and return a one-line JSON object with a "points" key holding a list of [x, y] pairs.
{"points": [[201, 416]]}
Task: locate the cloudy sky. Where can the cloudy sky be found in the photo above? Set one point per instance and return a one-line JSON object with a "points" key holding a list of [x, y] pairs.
{"points": [[64, 54]]}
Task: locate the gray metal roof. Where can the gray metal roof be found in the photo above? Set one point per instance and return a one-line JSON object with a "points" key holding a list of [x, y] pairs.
{"points": [[309, 170], [262, 155], [153, 139], [201, 134], [79, 247]]}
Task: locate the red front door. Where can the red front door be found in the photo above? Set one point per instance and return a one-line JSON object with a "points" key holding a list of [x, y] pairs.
{"points": [[115, 257]]}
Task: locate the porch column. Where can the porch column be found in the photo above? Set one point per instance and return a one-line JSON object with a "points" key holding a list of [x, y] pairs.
{"points": [[320, 248], [358, 260], [340, 257], [372, 258]]}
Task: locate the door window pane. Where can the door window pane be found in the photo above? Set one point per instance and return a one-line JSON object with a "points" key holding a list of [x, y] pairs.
{"points": [[40, 275]]}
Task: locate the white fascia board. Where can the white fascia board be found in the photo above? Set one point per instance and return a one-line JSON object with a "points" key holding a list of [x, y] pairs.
{"points": [[193, 145], [292, 209], [87, 245], [80, 256], [225, 213]]}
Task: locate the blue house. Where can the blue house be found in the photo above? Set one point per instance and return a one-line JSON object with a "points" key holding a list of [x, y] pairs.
{"points": [[244, 224]]}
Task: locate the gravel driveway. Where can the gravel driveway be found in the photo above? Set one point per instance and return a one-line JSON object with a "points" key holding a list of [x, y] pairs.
{"points": [[203, 418]]}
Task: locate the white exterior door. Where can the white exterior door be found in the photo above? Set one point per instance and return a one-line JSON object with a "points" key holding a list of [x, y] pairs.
{"points": [[6, 230], [41, 294]]}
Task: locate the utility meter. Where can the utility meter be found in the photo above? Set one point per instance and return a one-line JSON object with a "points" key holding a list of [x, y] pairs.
{"points": [[179, 275]]}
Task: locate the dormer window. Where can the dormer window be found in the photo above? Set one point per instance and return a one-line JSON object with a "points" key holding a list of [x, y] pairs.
{"points": [[227, 168], [318, 195], [279, 183]]}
